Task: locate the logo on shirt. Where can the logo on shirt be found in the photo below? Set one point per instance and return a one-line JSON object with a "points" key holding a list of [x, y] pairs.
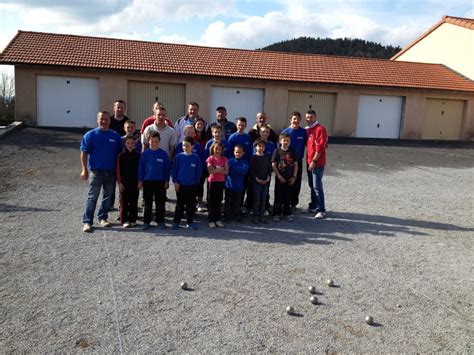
{"points": [[193, 165], [111, 140], [159, 160], [300, 138]]}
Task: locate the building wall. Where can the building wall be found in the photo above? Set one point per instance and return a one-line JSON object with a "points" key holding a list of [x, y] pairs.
{"points": [[113, 85], [448, 44]]}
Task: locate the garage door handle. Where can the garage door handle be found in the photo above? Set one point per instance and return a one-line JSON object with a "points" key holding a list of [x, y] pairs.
{"points": [[68, 111], [378, 125]]}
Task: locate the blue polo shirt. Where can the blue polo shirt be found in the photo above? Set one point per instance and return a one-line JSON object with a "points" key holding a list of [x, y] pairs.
{"points": [[187, 169], [154, 166], [244, 140], [298, 140], [102, 148]]}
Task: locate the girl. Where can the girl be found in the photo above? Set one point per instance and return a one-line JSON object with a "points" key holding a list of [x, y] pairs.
{"points": [[218, 169], [201, 137]]}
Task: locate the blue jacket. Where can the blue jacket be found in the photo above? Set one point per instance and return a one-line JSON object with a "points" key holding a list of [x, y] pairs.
{"points": [[228, 153], [298, 140], [187, 169], [196, 149], [238, 168], [154, 165], [102, 149], [244, 140]]}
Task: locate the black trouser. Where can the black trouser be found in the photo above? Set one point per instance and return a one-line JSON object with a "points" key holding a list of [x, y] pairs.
{"points": [[282, 198], [129, 202], [248, 201], [200, 187], [232, 203], [296, 187], [153, 189], [216, 192], [185, 200]]}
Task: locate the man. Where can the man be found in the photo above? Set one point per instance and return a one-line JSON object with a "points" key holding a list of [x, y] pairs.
{"points": [[227, 126], [261, 120], [150, 120], [189, 119], [99, 150], [118, 119], [167, 134], [316, 161]]}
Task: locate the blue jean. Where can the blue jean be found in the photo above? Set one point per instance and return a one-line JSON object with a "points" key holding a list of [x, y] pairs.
{"points": [[105, 180], [259, 198], [315, 182]]}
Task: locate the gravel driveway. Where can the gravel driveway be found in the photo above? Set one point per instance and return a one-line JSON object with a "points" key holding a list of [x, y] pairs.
{"points": [[398, 242]]}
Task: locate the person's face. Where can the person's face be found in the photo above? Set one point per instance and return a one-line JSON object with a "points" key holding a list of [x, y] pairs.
{"points": [[295, 121], [193, 111], [260, 149], [130, 144], [199, 126], [217, 134], [187, 147], [285, 142], [264, 133], [310, 118], [241, 126], [261, 119], [154, 143], [103, 121], [238, 152], [119, 109], [221, 115], [130, 128], [217, 150], [189, 132], [160, 116]]}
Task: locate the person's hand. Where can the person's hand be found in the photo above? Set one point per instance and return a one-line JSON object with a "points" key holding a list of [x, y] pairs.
{"points": [[176, 187], [282, 179], [292, 180], [140, 185], [84, 174], [121, 188], [312, 166]]}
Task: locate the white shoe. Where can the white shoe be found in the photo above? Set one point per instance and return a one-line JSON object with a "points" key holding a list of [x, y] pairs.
{"points": [[212, 225], [220, 224], [126, 225], [87, 228], [105, 223], [320, 215]]}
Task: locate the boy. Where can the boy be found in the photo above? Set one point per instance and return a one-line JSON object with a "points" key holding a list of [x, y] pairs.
{"points": [[127, 178], [189, 131], [130, 130], [234, 184], [298, 143], [187, 170], [216, 132], [153, 177], [260, 171], [285, 166]]}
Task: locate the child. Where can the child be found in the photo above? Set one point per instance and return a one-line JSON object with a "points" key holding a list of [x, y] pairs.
{"points": [[130, 130], [242, 138], [298, 143], [153, 177], [201, 137], [127, 178], [260, 171], [217, 137], [187, 171], [285, 166], [218, 168], [234, 184], [188, 132]]}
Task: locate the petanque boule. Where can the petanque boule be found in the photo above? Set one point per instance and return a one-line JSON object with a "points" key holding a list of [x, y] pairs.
{"points": [[312, 289], [330, 282], [313, 300], [290, 310], [369, 320], [184, 285]]}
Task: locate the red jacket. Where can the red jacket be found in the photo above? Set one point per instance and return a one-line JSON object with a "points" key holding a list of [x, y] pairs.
{"points": [[317, 142]]}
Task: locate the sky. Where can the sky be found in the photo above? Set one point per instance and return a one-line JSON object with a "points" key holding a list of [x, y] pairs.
{"points": [[245, 24]]}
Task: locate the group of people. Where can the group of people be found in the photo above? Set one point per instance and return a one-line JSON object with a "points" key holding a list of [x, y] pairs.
{"points": [[236, 164]]}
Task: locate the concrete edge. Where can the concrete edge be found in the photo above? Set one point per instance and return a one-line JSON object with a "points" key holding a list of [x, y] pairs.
{"points": [[12, 126]]}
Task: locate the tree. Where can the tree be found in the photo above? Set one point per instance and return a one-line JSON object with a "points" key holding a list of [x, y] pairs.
{"points": [[7, 98]]}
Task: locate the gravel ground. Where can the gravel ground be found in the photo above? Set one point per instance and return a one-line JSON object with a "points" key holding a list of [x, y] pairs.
{"points": [[398, 243]]}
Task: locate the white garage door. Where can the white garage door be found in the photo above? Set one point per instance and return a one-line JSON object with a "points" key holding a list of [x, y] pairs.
{"points": [[238, 102], [67, 101], [379, 116]]}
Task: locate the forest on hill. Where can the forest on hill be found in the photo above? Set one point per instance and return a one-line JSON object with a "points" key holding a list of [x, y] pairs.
{"points": [[347, 47]]}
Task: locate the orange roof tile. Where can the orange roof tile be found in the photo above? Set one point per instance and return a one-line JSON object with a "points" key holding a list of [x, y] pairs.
{"points": [[458, 21], [37, 48]]}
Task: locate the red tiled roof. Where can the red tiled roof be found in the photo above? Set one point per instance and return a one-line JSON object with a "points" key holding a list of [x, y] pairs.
{"points": [[458, 21], [36, 48]]}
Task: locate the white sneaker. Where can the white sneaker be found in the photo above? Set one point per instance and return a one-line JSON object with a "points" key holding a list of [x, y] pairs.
{"points": [[105, 223], [320, 215], [220, 224], [201, 207], [212, 225], [126, 225], [87, 228]]}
